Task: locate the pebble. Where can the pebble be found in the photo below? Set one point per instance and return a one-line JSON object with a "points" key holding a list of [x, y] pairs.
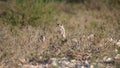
{"points": [[117, 56], [118, 43]]}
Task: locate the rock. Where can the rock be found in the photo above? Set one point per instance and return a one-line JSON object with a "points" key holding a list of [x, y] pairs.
{"points": [[109, 60], [74, 40], [91, 36], [116, 50], [104, 58], [86, 62], [71, 65], [65, 64], [79, 66], [117, 56], [22, 60], [73, 61], [64, 59], [110, 39], [118, 43], [83, 67], [91, 66], [45, 65], [54, 61]]}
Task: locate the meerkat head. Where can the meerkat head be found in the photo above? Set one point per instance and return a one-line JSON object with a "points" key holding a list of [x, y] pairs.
{"points": [[59, 25]]}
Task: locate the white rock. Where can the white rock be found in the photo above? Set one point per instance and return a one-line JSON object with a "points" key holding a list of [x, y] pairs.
{"points": [[110, 39], [66, 62], [64, 58], [117, 56], [54, 61], [22, 60], [101, 45], [104, 59], [71, 65], [109, 59], [116, 50], [82, 66], [91, 66], [91, 36], [74, 40], [73, 61], [118, 43], [86, 62]]}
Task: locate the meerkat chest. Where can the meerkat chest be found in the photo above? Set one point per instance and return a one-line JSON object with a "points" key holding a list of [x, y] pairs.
{"points": [[61, 28]]}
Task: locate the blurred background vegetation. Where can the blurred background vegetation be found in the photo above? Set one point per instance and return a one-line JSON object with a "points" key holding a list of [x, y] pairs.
{"points": [[43, 12]]}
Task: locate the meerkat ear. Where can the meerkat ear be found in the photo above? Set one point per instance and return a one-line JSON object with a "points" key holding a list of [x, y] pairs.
{"points": [[58, 24]]}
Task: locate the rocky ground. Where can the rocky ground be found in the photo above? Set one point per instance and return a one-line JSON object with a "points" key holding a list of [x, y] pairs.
{"points": [[65, 53], [65, 63], [106, 62]]}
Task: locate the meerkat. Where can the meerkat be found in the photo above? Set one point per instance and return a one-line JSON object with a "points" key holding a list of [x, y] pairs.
{"points": [[62, 30]]}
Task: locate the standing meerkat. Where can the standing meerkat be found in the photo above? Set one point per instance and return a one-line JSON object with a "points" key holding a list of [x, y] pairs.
{"points": [[62, 30]]}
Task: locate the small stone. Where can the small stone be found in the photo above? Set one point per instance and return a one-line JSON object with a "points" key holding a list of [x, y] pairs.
{"points": [[110, 39], [66, 62], [104, 59], [108, 59], [118, 43], [54, 61], [82, 66], [117, 56], [71, 65], [86, 62], [73, 61], [74, 40], [22, 60], [91, 66], [116, 50], [91, 36]]}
